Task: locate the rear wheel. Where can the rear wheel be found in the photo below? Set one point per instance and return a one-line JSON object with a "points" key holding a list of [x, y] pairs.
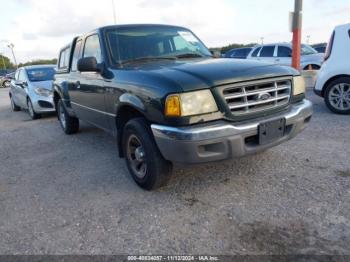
{"points": [[145, 163], [14, 106], [337, 95], [31, 110], [69, 124]]}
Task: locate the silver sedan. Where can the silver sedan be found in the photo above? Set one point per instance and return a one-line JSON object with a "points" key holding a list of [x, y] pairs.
{"points": [[31, 89]]}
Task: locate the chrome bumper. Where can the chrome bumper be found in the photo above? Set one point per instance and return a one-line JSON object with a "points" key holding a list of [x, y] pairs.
{"points": [[222, 140]]}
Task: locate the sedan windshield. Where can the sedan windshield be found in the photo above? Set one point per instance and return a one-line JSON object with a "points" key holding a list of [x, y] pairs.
{"points": [[140, 43], [40, 74], [307, 50]]}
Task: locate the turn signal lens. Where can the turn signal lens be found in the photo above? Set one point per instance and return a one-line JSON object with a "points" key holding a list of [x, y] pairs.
{"points": [[172, 106], [298, 85]]}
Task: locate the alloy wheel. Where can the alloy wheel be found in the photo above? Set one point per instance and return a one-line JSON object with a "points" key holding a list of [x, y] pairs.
{"points": [[62, 116], [30, 109], [339, 96], [136, 156]]}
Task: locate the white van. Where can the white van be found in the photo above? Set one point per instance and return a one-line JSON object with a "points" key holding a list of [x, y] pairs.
{"points": [[333, 80]]}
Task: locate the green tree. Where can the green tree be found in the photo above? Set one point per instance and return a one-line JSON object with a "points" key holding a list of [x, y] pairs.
{"points": [[40, 62], [5, 63]]}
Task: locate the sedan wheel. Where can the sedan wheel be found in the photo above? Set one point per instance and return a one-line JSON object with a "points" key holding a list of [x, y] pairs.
{"points": [[6, 84], [31, 111], [338, 98]]}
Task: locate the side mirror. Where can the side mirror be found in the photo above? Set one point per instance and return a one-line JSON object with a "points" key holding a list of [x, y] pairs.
{"points": [[21, 83], [88, 64]]}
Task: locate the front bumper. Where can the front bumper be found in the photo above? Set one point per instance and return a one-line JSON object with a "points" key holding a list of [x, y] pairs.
{"points": [[222, 140], [43, 104]]}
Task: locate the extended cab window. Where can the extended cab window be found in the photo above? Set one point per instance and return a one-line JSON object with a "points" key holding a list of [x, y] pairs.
{"points": [[76, 55], [64, 58], [284, 51], [93, 48], [267, 51]]}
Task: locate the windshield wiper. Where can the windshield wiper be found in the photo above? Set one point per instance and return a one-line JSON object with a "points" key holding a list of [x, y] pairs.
{"points": [[146, 58], [189, 55]]}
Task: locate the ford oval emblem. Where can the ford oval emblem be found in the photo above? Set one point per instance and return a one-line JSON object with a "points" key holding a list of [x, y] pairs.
{"points": [[263, 97]]}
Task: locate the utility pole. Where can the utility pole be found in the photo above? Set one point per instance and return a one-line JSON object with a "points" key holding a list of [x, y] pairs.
{"points": [[11, 46], [262, 40], [114, 16], [308, 39], [296, 28]]}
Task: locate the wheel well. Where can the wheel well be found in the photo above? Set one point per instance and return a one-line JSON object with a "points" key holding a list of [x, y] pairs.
{"points": [[56, 97], [329, 81], [125, 113], [314, 66]]}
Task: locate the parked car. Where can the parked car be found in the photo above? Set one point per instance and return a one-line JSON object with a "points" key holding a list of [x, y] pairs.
{"points": [[320, 48], [31, 89], [281, 54], [166, 99], [333, 80], [238, 53], [6, 80]]}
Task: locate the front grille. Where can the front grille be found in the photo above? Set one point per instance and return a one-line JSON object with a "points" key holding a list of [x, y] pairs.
{"points": [[256, 96], [45, 104]]}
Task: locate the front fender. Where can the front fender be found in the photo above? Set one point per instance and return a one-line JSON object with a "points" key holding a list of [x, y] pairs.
{"points": [[128, 99]]}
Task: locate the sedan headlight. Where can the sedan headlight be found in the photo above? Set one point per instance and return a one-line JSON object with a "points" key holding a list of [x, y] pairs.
{"points": [[298, 85], [191, 103], [42, 91]]}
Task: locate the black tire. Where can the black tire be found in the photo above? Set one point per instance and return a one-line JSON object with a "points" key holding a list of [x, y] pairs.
{"points": [[31, 110], [69, 124], [332, 91], [14, 107], [158, 170]]}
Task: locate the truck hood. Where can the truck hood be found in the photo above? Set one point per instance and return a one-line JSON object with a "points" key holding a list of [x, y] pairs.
{"points": [[195, 74]]}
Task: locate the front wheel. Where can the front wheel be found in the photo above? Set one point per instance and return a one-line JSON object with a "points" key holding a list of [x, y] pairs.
{"points": [[69, 124], [14, 107], [337, 95], [31, 110], [145, 163]]}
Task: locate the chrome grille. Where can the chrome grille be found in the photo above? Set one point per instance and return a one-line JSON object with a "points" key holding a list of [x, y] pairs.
{"points": [[251, 97]]}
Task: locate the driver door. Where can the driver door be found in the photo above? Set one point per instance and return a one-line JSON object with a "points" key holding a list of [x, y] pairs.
{"points": [[20, 90]]}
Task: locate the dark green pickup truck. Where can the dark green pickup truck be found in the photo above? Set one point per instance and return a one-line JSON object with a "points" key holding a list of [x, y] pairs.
{"points": [[160, 92]]}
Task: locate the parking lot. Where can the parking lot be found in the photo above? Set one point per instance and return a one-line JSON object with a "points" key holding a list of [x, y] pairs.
{"points": [[72, 195]]}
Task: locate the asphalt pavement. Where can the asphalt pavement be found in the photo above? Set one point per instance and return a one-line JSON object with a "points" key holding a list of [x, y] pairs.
{"points": [[64, 194]]}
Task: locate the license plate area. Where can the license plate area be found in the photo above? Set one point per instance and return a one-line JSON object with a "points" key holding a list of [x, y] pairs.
{"points": [[271, 131]]}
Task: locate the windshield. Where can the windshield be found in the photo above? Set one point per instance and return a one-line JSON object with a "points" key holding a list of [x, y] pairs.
{"points": [[307, 50], [156, 42], [40, 74]]}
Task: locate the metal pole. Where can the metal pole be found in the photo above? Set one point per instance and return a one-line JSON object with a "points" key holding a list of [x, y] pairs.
{"points": [[11, 46], [297, 21], [114, 16]]}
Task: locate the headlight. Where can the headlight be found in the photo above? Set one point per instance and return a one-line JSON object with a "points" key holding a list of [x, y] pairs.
{"points": [[298, 85], [191, 103], [42, 91]]}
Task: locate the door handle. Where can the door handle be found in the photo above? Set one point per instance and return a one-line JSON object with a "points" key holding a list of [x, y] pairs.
{"points": [[277, 60]]}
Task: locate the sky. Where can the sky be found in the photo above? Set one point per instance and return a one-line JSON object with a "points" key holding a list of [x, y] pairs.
{"points": [[39, 28]]}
